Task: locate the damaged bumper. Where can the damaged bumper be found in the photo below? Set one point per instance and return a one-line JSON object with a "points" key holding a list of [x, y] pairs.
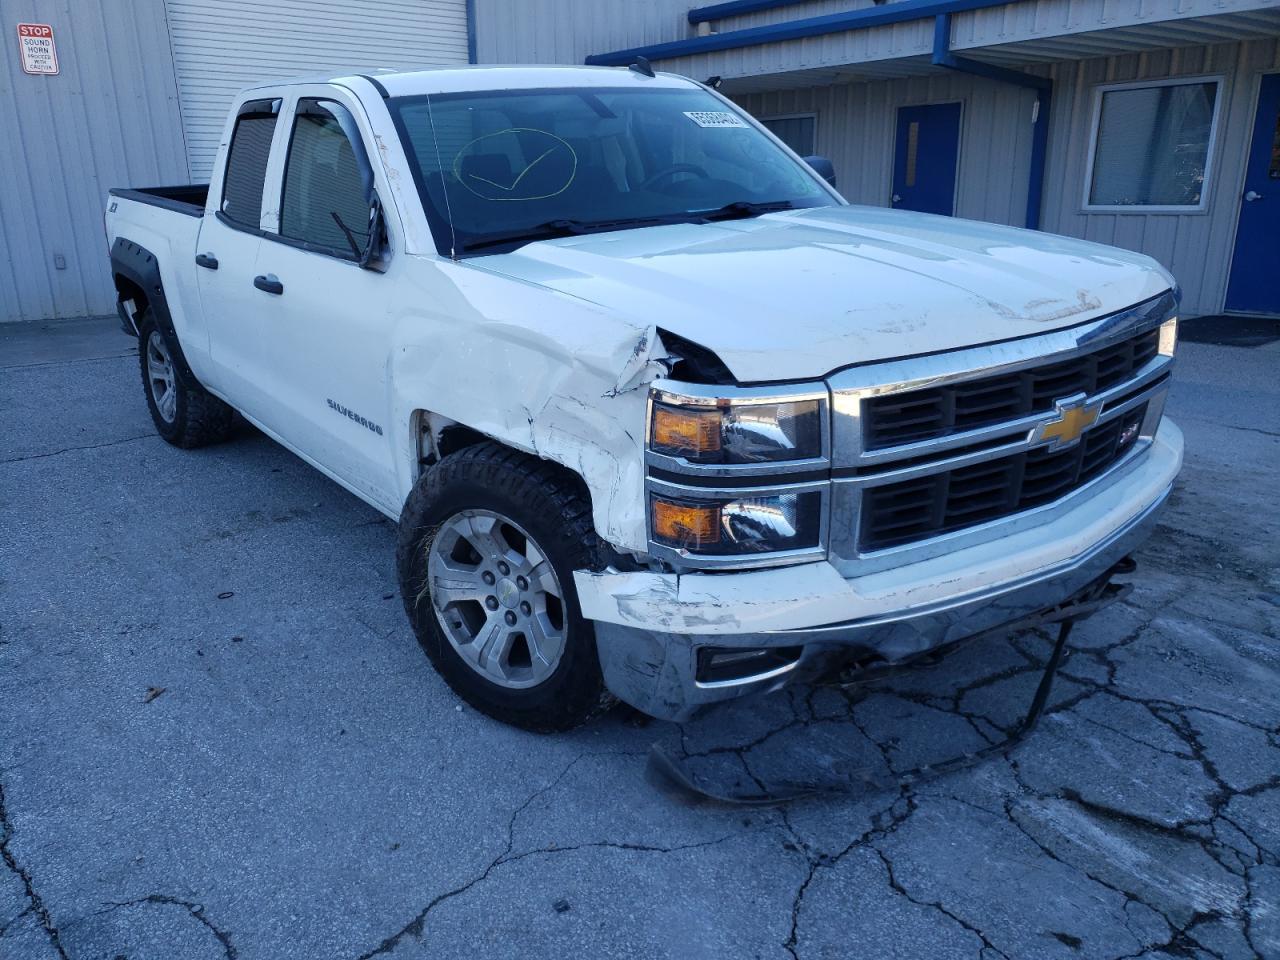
{"points": [[670, 644]]}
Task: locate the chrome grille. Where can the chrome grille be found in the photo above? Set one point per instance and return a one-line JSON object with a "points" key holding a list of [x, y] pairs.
{"points": [[934, 453], [899, 418], [897, 513]]}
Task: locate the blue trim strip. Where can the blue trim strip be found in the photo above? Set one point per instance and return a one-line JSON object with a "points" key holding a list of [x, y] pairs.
{"points": [[794, 30], [943, 57], [471, 31], [718, 11]]}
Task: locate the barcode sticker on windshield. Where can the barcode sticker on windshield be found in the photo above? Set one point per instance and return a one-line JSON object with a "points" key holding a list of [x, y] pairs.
{"points": [[714, 118]]}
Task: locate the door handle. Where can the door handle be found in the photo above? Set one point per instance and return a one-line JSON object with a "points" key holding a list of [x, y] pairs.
{"points": [[897, 198], [207, 260], [1251, 196], [269, 283]]}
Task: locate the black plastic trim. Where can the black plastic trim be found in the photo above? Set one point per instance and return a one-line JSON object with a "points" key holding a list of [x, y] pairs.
{"points": [[377, 85], [737, 482], [140, 266], [696, 363], [287, 241], [155, 197], [263, 107]]}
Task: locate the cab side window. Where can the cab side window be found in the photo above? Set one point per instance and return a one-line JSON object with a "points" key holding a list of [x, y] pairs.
{"points": [[247, 163], [327, 181]]}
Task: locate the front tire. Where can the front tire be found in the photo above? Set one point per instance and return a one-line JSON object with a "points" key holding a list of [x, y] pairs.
{"points": [[489, 540], [185, 414]]}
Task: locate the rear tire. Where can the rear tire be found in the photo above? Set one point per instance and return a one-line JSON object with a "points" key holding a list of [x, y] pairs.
{"points": [[489, 539], [185, 414]]}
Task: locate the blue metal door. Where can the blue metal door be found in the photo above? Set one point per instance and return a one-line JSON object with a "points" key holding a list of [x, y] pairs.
{"points": [[1254, 286], [924, 160]]}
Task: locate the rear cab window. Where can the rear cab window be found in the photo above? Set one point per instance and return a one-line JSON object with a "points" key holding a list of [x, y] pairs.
{"points": [[242, 183]]}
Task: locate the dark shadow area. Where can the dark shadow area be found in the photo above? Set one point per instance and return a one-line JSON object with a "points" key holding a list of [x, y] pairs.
{"points": [[1231, 330]]}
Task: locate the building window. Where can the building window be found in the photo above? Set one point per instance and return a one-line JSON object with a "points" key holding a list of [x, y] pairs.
{"points": [[326, 199], [797, 132], [1153, 145]]}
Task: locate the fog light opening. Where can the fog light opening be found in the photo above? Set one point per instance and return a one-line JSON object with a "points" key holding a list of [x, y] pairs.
{"points": [[730, 664]]}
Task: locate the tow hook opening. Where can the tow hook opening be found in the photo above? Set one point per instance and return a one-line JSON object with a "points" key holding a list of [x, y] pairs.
{"points": [[721, 665]]}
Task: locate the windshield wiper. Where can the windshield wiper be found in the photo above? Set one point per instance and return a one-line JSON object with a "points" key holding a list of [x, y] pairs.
{"points": [[552, 229], [573, 228], [741, 209]]}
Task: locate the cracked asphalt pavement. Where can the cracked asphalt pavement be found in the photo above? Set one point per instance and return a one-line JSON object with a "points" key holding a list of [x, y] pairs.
{"points": [[218, 738]]}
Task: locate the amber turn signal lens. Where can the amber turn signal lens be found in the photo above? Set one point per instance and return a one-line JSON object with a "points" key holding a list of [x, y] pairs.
{"points": [[686, 525], [686, 431]]}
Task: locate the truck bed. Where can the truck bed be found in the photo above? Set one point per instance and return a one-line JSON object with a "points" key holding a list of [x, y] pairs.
{"points": [[186, 198]]}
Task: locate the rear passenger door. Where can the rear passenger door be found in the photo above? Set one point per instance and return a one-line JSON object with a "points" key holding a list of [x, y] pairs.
{"points": [[326, 332], [227, 256]]}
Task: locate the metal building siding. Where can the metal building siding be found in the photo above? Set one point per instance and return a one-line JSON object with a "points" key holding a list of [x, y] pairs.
{"points": [[566, 31], [857, 123], [1065, 28], [1195, 247], [855, 130], [841, 52], [222, 46], [109, 118], [1042, 19]]}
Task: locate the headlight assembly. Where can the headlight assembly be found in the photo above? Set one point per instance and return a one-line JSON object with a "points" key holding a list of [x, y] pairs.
{"points": [[738, 433], [743, 525], [737, 475]]}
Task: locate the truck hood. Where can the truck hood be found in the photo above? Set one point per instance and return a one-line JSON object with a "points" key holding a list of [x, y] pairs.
{"points": [[795, 295]]}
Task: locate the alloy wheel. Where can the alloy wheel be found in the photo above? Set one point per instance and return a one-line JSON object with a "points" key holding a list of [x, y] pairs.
{"points": [[497, 598], [160, 377]]}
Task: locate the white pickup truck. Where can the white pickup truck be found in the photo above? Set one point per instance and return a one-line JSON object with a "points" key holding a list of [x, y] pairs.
{"points": [[658, 413]]}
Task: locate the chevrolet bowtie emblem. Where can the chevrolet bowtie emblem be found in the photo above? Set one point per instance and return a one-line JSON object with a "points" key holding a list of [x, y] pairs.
{"points": [[1072, 417]]}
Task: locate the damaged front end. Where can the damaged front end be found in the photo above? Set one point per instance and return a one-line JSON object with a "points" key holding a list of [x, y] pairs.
{"points": [[883, 512]]}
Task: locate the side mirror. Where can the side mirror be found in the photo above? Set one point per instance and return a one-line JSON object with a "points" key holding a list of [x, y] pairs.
{"points": [[823, 168], [371, 257]]}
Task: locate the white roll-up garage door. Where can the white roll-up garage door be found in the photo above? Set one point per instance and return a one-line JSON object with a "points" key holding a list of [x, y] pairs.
{"points": [[222, 46]]}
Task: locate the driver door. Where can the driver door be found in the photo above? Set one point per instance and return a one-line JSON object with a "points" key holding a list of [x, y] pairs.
{"points": [[326, 324]]}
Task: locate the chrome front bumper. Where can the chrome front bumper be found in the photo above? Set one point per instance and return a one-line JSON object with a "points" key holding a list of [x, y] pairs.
{"points": [[650, 627]]}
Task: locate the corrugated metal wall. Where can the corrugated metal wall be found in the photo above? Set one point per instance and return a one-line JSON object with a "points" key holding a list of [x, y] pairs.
{"points": [[566, 31], [855, 130], [109, 118], [857, 122], [1196, 247], [222, 46]]}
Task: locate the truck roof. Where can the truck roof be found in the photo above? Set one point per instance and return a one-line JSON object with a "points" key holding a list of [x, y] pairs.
{"points": [[461, 79]]}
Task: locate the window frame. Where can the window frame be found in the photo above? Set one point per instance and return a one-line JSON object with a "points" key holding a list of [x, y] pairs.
{"points": [[1215, 123], [275, 234], [810, 115], [253, 109]]}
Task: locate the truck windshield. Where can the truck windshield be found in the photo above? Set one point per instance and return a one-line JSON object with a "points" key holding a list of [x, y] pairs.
{"points": [[502, 168]]}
